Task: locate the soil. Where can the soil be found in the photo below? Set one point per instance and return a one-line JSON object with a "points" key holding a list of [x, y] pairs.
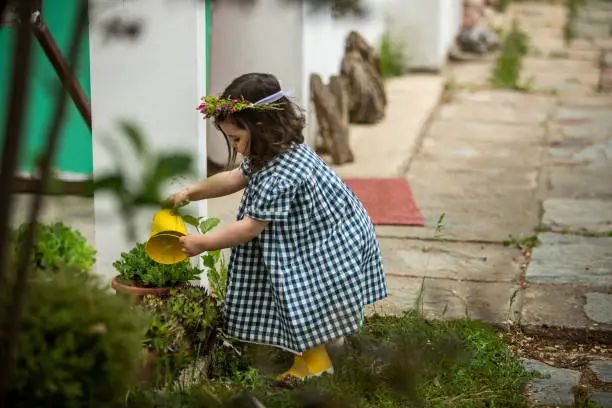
{"points": [[562, 353]]}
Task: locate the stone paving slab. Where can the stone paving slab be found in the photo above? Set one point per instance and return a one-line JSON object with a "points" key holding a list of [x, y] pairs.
{"points": [[602, 399], [571, 259], [555, 387], [571, 116], [602, 369], [483, 219], [527, 113], [583, 44], [558, 306], [546, 44], [438, 185], [538, 14], [486, 132], [576, 182], [445, 298], [598, 307], [578, 215], [472, 74], [590, 29], [600, 101], [586, 131], [583, 55], [550, 80], [451, 260], [509, 99], [457, 154], [580, 151], [567, 66]]}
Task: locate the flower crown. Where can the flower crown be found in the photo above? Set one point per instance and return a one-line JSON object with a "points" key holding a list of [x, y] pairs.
{"points": [[213, 106]]}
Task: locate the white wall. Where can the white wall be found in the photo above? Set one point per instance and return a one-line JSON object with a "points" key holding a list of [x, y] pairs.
{"points": [[265, 37], [426, 28], [155, 81]]}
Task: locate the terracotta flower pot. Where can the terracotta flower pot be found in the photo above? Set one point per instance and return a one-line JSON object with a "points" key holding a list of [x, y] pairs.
{"points": [[137, 291]]}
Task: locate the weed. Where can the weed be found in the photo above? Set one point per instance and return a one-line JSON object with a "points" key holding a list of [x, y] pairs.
{"points": [[572, 12], [522, 243], [507, 70], [502, 5], [513, 298], [391, 57]]}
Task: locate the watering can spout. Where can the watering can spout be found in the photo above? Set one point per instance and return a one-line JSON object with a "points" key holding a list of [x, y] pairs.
{"points": [[163, 245]]}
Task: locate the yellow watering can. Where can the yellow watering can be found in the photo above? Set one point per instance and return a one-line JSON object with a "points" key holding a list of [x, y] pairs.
{"points": [[164, 244]]}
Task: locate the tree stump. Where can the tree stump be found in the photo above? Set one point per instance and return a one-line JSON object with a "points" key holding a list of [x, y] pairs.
{"points": [[361, 70], [331, 107]]}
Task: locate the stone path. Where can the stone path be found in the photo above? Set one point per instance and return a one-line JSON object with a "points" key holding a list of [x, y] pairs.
{"points": [[508, 166], [518, 167]]}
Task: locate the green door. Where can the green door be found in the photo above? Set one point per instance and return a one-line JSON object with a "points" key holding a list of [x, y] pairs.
{"points": [[74, 158]]}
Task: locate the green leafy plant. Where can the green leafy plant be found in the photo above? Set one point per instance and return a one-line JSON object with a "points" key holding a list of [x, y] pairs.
{"points": [[79, 346], [57, 245], [216, 271], [183, 329], [136, 268], [213, 261]]}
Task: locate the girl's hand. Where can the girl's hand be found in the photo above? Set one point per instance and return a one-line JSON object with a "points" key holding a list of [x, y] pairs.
{"points": [[194, 244], [179, 198]]}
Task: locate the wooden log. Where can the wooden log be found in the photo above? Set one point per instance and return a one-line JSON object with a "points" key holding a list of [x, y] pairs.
{"points": [[331, 107], [361, 70]]}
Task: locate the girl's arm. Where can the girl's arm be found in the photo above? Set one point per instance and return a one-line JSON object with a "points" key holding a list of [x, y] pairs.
{"points": [[236, 233], [219, 185]]}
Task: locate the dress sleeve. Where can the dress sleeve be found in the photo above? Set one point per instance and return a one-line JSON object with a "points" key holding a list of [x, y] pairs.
{"points": [[272, 199]]}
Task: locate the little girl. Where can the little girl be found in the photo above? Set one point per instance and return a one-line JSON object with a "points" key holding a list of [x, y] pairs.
{"points": [[305, 258]]}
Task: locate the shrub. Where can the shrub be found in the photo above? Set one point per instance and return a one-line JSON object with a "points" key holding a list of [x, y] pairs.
{"points": [[79, 346], [57, 245], [137, 269], [183, 328]]}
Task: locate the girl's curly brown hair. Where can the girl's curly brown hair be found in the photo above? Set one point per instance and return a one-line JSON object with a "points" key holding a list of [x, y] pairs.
{"points": [[273, 131]]}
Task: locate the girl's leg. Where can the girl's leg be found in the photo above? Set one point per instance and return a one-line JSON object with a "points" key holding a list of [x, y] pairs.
{"points": [[312, 362]]}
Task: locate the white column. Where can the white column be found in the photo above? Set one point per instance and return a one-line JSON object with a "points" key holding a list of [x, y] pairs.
{"points": [[426, 28], [263, 37], [155, 81]]}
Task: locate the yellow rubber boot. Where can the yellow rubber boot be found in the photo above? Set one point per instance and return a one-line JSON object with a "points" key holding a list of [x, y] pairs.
{"points": [[311, 363], [318, 360], [299, 369]]}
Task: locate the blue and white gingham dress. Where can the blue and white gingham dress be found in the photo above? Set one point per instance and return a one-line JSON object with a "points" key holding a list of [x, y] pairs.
{"points": [[305, 280]]}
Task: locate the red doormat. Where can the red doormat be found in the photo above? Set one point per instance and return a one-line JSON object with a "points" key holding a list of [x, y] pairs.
{"points": [[387, 201]]}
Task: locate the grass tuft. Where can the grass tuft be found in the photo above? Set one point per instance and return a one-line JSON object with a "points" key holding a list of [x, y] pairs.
{"points": [[391, 57], [507, 70]]}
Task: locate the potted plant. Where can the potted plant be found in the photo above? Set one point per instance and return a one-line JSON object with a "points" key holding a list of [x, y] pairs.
{"points": [[57, 246], [139, 275]]}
